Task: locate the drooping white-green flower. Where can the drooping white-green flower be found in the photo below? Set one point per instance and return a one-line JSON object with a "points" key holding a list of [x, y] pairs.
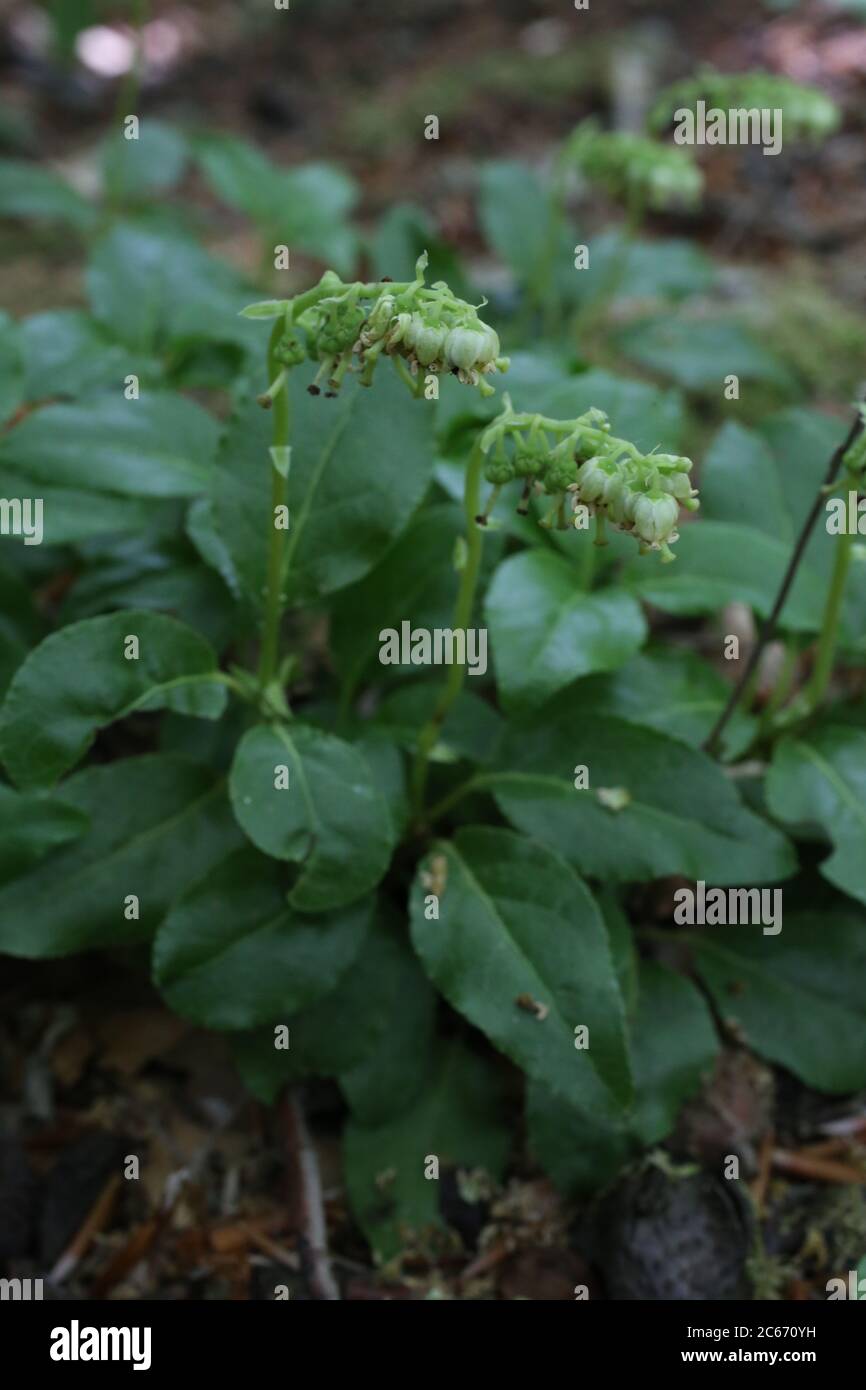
{"points": [[592, 478], [472, 347], [427, 340], [654, 515]]}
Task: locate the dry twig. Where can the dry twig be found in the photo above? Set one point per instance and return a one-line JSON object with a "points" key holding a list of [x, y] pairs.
{"points": [[306, 1195]]}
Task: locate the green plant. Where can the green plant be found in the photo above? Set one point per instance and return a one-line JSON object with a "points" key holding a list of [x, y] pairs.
{"points": [[264, 880], [644, 174], [425, 884], [808, 114]]}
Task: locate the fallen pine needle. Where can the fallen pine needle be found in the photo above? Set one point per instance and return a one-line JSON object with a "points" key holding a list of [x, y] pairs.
{"points": [[277, 1252], [95, 1222], [765, 1169], [839, 1147], [821, 1169], [487, 1260], [228, 1239]]}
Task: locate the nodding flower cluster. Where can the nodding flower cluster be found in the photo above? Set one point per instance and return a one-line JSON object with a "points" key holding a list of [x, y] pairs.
{"points": [[581, 461], [807, 112], [432, 330], [348, 327], [634, 168]]}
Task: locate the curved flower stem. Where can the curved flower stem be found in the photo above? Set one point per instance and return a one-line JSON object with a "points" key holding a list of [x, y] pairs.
{"points": [[276, 547], [462, 617], [712, 740], [365, 291], [820, 679]]}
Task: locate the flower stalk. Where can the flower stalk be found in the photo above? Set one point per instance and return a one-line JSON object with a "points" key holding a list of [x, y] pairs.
{"points": [[348, 327], [278, 395], [471, 563], [827, 643], [846, 456]]}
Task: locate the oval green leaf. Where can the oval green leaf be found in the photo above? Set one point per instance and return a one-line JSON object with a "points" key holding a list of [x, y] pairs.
{"points": [[157, 825], [308, 797], [517, 928], [81, 678], [679, 813], [547, 631], [159, 446], [817, 786], [798, 998], [232, 954]]}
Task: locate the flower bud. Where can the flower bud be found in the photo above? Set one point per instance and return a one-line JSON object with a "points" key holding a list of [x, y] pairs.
{"points": [[290, 350], [677, 484], [527, 463], [671, 463], [463, 347], [499, 470], [400, 326], [378, 319], [614, 497], [472, 346], [490, 349], [560, 473], [655, 516], [592, 477], [332, 328], [427, 340]]}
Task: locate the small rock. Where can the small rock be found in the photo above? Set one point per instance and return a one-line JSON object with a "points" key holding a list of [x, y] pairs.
{"points": [[660, 1234]]}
